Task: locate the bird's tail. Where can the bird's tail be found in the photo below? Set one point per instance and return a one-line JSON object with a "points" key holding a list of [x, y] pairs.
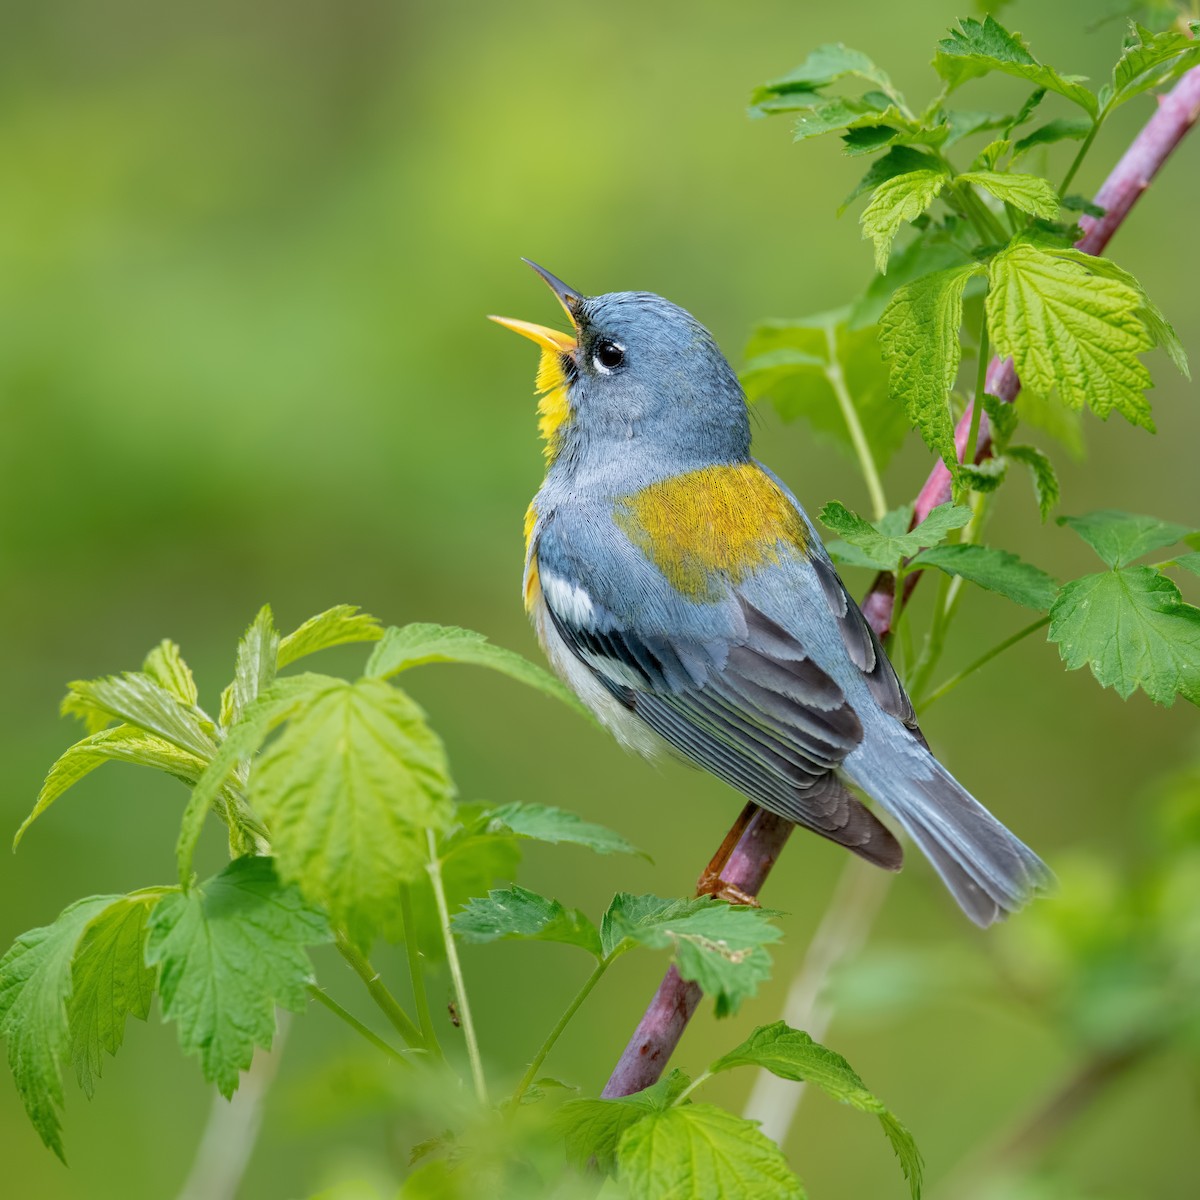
{"points": [[989, 871]]}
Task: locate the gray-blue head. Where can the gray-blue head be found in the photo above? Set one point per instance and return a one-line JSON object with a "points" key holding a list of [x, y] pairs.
{"points": [[640, 384]]}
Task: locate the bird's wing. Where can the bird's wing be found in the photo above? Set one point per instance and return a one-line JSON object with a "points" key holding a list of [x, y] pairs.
{"points": [[722, 682]]}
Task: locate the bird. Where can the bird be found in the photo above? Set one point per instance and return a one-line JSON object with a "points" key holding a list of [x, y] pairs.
{"points": [[681, 591]]}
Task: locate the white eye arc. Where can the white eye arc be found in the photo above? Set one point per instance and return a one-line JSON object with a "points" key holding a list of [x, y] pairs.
{"points": [[608, 356]]}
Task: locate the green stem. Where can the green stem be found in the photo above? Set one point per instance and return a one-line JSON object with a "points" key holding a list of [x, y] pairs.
{"points": [[980, 384], [691, 1087], [986, 224], [400, 1021], [950, 684], [412, 950], [460, 988], [1084, 147], [334, 1007], [554, 1034], [837, 381]]}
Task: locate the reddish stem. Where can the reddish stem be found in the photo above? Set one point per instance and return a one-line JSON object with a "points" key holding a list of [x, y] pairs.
{"points": [[753, 854]]}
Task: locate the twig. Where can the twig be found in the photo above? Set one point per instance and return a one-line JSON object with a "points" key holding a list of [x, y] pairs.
{"points": [[658, 1033]]}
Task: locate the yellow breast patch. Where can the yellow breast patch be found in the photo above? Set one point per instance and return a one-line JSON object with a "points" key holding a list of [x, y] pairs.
{"points": [[554, 410], [710, 526]]}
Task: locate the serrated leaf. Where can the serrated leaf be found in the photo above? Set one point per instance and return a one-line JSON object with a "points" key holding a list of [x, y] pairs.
{"points": [[230, 951], [963, 123], [35, 989], [985, 476], [883, 549], [825, 65], [1161, 330], [899, 160], [1132, 628], [283, 698], [1189, 562], [349, 789], [1029, 193], [985, 161], [701, 1152], [402, 648], [792, 1054], [918, 334], [257, 655], [1120, 537], [875, 131], [997, 570], [137, 699], [591, 1129], [1059, 130], [1045, 481], [978, 47], [794, 364], [818, 114], [110, 982], [516, 912], [337, 626], [898, 199], [542, 823], [122, 743], [164, 664], [1003, 419], [1065, 326], [719, 946], [1150, 60]]}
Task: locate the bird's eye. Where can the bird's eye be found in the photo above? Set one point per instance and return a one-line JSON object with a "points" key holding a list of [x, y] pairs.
{"points": [[608, 356]]}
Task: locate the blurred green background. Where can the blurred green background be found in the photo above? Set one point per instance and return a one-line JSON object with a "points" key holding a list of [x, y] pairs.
{"points": [[245, 255]]}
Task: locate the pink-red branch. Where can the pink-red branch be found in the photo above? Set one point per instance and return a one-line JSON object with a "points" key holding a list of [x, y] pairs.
{"points": [[752, 846]]}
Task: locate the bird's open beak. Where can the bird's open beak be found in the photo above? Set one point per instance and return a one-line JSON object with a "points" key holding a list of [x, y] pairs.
{"points": [[550, 339]]}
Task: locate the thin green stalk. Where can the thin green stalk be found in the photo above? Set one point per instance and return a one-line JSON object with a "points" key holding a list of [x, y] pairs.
{"points": [[460, 988], [322, 997], [691, 1087], [980, 385], [1084, 147], [987, 225], [554, 1034], [400, 1021], [950, 684], [412, 950], [866, 460]]}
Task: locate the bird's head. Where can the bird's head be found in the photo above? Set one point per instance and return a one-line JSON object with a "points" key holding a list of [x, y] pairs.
{"points": [[638, 381]]}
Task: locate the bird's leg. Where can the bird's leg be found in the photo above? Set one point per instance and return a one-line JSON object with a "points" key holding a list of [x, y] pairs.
{"points": [[710, 882]]}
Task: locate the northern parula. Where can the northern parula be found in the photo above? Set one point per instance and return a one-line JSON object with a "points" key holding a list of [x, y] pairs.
{"points": [[681, 591]]}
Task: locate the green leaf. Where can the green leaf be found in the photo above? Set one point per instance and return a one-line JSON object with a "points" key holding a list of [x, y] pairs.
{"points": [[110, 982], [792, 1054], [883, 549], [139, 700], [720, 946], [1150, 60], [1003, 418], [336, 626], [1059, 130], [1132, 628], [229, 952], [825, 65], [415, 645], [280, 701], [984, 476], [963, 123], [164, 664], [122, 743], [1065, 326], [996, 570], [1120, 537], [35, 990], [542, 823], [516, 912], [257, 655], [701, 1152], [978, 47], [822, 114], [592, 1129], [795, 365], [1189, 562], [898, 199], [918, 333], [1063, 424], [348, 789], [1151, 315], [874, 131], [1045, 481], [1029, 193], [899, 160]]}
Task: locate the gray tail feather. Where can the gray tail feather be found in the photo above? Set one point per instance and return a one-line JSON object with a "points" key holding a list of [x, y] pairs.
{"points": [[989, 871]]}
